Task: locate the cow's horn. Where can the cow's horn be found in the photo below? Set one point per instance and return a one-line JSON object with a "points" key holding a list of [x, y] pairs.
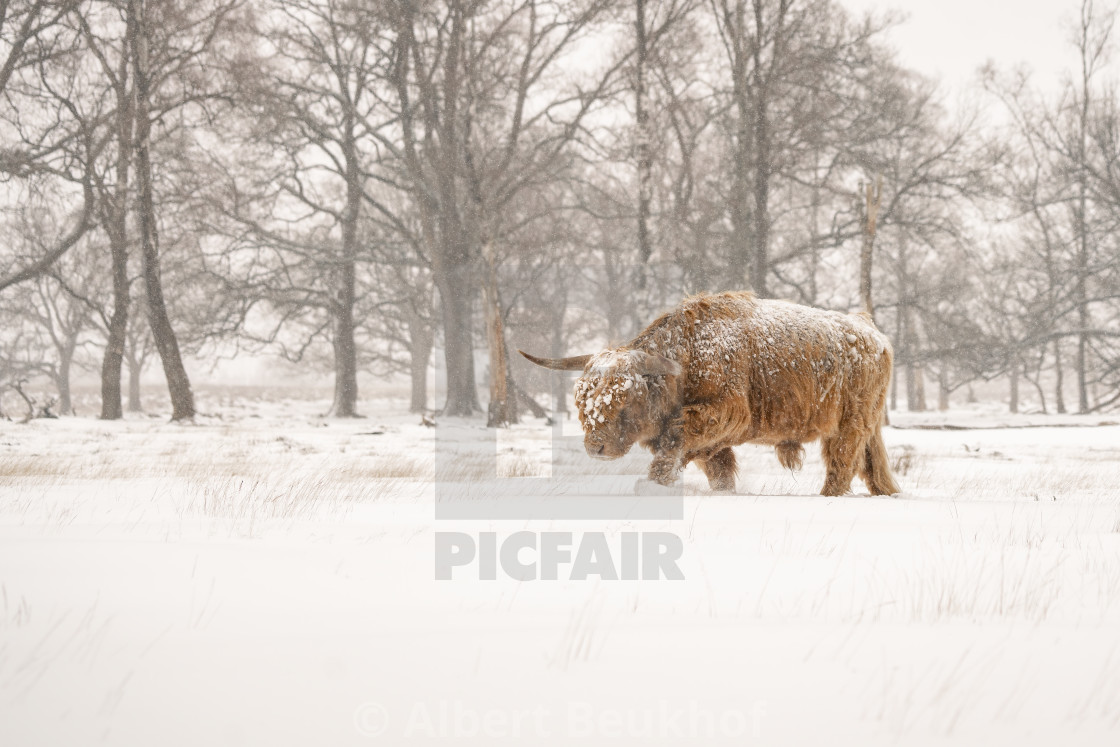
{"points": [[656, 364], [574, 363]]}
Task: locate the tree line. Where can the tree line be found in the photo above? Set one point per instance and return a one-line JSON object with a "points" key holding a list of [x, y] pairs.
{"points": [[363, 186]]}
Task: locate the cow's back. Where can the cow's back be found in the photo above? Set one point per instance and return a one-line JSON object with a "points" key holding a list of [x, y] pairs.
{"points": [[774, 370]]}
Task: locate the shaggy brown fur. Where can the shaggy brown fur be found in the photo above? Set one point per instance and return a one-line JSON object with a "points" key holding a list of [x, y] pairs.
{"points": [[725, 369]]}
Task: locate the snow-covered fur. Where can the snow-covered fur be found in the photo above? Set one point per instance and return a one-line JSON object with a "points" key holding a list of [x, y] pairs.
{"points": [[728, 368]]}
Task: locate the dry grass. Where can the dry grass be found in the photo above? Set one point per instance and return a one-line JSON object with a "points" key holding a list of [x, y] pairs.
{"points": [[238, 498], [1023, 585], [521, 465], [16, 467], [583, 636], [13, 613], [239, 463], [384, 468], [933, 700], [902, 461]]}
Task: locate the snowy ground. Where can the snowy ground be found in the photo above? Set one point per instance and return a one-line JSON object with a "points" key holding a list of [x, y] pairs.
{"points": [[266, 577]]}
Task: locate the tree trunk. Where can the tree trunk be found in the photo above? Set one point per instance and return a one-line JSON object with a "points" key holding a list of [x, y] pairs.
{"points": [[65, 358], [740, 251], [345, 401], [617, 297], [1014, 384], [178, 384], [943, 388], [814, 229], [1082, 256], [1036, 382], [1059, 396], [894, 390], [559, 399], [760, 235], [1083, 354], [915, 388], [739, 255], [115, 221], [513, 407], [344, 404], [342, 307], [502, 409], [419, 373], [902, 319], [1081, 362], [873, 198], [645, 160], [900, 340], [455, 302], [135, 368], [915, 380], [420, 353], [524, 398], [118, 328], [763, 137]]}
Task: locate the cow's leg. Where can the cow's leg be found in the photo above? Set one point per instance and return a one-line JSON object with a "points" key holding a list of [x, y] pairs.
{"points": [[875, 468], [842, 451], [668, 453], [665, 467], [720, 469]]}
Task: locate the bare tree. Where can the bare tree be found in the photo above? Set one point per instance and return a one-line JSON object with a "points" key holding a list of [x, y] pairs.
{"points": [[800, 72], [47, 321], [47, 141], [317, 103], [1061, 199], [178, 383], [479, 125]]}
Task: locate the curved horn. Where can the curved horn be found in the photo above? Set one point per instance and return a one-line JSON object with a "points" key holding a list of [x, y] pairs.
{"points": [[575, 363]]}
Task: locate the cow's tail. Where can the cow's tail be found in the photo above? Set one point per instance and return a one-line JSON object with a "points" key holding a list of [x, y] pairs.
{"points": [[876, 467]]}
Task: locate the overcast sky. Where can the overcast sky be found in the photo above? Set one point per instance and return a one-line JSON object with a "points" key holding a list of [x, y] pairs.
{"points": [[949, 39]]}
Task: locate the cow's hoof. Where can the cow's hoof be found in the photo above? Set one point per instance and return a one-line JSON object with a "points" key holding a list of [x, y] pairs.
{"points": [[649, 487]]}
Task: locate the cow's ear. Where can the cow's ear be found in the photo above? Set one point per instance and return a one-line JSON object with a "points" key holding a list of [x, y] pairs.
{"points": [[655, 364]]}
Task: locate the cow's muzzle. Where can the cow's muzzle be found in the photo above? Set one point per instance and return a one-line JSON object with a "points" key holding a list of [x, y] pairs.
{"points": [[603, 450]]}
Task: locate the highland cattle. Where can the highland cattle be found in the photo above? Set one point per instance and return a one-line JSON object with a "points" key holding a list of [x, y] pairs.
{"points": [[725, 369]]}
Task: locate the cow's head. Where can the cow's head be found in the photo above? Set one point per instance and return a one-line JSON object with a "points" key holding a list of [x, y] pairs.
{"points": [[616, 396]]}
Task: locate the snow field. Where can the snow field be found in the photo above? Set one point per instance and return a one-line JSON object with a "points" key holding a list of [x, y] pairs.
{"points": [[266, 577]]}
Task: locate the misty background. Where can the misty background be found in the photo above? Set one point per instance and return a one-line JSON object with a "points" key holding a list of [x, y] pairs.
{"points": [[366, 190]]}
